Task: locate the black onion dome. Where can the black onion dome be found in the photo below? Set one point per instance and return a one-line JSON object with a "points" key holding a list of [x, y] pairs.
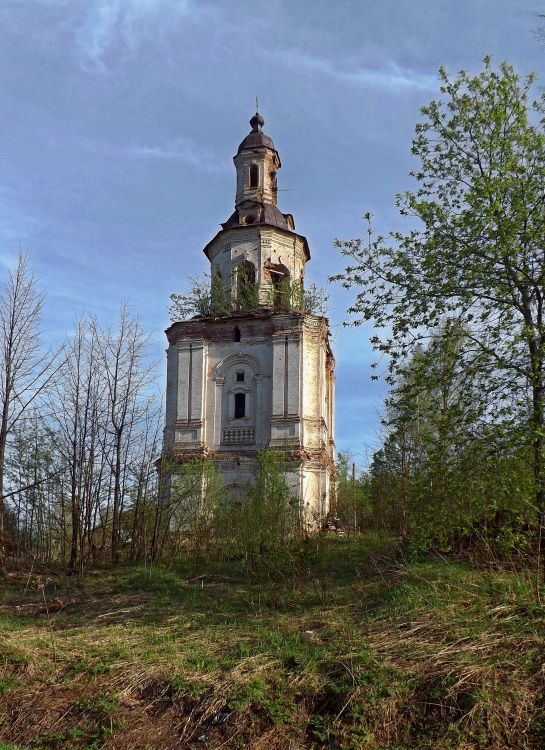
{"points": [[257, 121], [257, 138]]}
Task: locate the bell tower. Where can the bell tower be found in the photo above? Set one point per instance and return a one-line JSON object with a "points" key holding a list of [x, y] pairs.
{"points": [[264, 252], [258, 372], [256, 163]]}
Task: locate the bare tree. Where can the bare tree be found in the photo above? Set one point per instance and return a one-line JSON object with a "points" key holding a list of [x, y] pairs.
{"points": [[25, 371], [128, 373], [79, 412]]}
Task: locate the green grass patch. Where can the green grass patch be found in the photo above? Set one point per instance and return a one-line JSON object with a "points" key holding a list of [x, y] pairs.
{"points": [[363, 650]]}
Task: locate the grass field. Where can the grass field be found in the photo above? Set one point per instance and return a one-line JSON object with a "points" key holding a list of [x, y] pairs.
{"points": [[366, 652]]}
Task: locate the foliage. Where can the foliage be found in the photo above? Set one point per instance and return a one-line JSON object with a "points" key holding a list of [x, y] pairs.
{"points": [[444, 478], [352, 506], [197, 301], [473, 262], [260, 526], [201, 523], [195, 492], [209, 297]]}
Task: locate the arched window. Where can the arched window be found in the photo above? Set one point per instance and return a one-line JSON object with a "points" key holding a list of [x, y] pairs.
{"points": [[240, 405], [281, 286], [239, 379], [254, 175], [236, 336], [246, 291], [217, 292]]}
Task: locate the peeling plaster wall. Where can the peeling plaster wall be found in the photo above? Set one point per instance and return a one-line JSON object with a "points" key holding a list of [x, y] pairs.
{"points": [[239, 384], [282, 357], [261, 246]]}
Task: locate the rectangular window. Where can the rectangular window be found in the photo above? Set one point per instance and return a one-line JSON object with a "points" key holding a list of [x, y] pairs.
{"points": [[240, 377], [254, 175], [240, 405]]}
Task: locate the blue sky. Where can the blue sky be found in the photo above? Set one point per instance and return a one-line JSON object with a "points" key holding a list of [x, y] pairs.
{"points": [[119, 120]]}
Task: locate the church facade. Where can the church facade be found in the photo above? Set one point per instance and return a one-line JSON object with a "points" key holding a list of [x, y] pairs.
{"points": [[257, 371]]}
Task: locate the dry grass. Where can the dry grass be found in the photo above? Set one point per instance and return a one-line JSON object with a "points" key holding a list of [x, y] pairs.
{"points": [[429, 655]]}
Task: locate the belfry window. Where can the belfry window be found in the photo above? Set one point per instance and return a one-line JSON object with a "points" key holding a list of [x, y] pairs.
{"points": [[240, 405], [246, 292], [281, 287], [254, 175]]}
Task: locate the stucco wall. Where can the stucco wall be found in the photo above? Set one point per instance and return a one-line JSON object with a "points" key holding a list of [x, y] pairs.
{"points": [[282, 360]]}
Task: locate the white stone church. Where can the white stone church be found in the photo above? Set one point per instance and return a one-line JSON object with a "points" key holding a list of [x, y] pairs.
{"points": [[257, 372]]}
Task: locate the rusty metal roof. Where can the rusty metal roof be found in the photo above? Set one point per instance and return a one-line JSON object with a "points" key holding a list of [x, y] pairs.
{"points": [[256, 138]]}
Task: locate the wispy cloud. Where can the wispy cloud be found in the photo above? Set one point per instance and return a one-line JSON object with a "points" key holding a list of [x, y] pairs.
{"points": [[182, 150], [126, 24], [16, 225], [392, 76]]}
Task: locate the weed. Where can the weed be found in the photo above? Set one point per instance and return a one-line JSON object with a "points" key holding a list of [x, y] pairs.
{"points": [[7, 683], [10, 655], [99, 706]]}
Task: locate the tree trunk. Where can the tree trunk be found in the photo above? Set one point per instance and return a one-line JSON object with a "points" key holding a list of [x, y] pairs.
{"points": [[116, 520], [3, 442], [539, 469], [75, 509]]}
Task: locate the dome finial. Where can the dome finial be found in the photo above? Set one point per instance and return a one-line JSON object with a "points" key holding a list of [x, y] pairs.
{"points": [[257, 120]]}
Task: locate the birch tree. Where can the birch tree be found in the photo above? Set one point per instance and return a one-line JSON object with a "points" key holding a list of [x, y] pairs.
{"points": [[25, 370], [127, 373]]}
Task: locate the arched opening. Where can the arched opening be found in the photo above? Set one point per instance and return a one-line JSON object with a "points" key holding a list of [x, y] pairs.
{"points": [[233, 494], [239, 379], [254, 176], [240, 405], [236, 335], [217, 293], [281, 286], [246, 287]]}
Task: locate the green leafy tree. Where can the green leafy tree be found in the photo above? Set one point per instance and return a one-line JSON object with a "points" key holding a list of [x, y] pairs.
{"points": [[261, 525], [187, 508], [446, 478], [476, 251]]}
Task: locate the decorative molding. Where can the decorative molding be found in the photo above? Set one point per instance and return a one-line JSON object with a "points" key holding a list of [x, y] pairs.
{"points": [[234, 359], [239, 436]]}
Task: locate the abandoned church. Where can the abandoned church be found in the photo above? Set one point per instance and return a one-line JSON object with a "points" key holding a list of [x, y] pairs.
{"points": [[256, 370]]}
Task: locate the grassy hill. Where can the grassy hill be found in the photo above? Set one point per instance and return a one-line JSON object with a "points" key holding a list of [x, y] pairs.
{"points": [[365, 651]]}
